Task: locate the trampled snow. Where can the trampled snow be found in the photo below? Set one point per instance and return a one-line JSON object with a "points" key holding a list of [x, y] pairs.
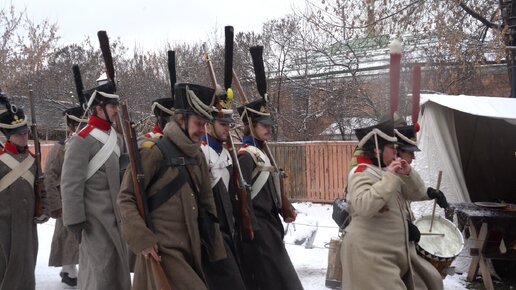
{"points": [[308, 252]]}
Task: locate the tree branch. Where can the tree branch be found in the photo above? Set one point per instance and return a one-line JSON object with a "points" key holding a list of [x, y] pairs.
{"points": [[479, 17]]}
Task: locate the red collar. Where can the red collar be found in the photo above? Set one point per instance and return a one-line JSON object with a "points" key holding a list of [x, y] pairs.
{"points": [[12, 148], [157, 129], [99, 123], [363, 159]]}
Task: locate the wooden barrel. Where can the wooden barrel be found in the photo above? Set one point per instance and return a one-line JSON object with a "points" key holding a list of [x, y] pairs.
{"points": [[334, 270]]}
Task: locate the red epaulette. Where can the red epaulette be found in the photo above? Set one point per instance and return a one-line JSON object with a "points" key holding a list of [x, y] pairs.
{"points": [[203, 142], [243, 146], [360, 168], [85, 131], [147, 135]]}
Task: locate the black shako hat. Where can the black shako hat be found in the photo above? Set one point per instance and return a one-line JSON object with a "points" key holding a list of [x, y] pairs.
{"points": [[102, 94], [384, 132], [163, 107], [74, 116], [257, 111], [194, 99], [12, 121], [407, 138]]}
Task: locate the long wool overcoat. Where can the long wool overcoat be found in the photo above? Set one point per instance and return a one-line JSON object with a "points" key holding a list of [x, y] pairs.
{"points": [[376, 252], [65, 248], [18, 235], [176, 228], [265, 261], [224, 274], [103, 261]]}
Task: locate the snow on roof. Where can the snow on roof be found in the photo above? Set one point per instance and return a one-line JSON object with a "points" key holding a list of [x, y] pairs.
{"points": [[492, 107]]}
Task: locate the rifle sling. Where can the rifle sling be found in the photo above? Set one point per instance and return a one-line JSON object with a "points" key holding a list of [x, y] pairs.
{"points": [[173, 158]]}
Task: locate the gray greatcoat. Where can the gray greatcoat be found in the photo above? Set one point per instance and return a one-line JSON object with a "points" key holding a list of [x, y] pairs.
{"points": [[103, 261], [65, 248], [376, 252], [18, 235], [176, 229]]}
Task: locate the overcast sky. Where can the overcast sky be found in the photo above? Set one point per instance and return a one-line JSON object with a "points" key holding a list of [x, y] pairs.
{"points": [[151, 23]]}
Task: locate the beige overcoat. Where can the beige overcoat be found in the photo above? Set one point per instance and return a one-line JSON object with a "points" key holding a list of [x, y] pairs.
{"points": [[375, 252]]}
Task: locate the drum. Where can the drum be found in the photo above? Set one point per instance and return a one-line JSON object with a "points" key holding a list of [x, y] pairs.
{"points": [[442, 245]]}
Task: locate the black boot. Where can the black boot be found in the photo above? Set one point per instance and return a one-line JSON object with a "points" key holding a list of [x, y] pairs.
{"points": [[67, 280]]}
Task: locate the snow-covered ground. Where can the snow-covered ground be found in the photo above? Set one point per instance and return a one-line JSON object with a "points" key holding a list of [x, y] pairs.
{"points": [[310, 263]]}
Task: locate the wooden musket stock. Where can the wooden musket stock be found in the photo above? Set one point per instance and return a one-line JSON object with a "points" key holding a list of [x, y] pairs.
{"points": [[38, 181]]}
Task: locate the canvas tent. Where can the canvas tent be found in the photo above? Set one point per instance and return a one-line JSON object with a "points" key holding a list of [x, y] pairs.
{"points": [[473, 141]]}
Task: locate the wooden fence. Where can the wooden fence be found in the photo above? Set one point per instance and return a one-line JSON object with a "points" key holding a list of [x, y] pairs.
{"points": [[317, 170]]}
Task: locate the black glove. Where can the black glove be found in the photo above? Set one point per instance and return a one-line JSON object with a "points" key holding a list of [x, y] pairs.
{"points": [[438, 196], [77, 229], [340, 213], [413, 232]]}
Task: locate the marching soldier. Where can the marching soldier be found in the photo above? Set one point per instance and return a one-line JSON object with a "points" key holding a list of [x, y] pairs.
{"points": [[265, 261], [224, 274], [163, 108], [180, 200], [19, 238], [64, 251], [90, 182]]}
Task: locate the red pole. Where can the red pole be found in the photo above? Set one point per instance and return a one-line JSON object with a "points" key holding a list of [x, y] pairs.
{"points": [[416, 93], [394, 74]]}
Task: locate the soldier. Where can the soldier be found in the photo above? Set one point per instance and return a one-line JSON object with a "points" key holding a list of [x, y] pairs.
{"points": [[65, 248], [163, 109], [19, 238], [265, 261], [180, 200], [90, 182], [379, 188], [224, 274]]}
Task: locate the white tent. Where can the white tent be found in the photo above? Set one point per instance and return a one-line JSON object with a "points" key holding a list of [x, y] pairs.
{"points": [[473, 141]]}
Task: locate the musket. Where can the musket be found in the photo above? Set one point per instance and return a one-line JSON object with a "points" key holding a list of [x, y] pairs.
{"points": [[158, 274], [38, 181], [287, 210], [242, 187]]}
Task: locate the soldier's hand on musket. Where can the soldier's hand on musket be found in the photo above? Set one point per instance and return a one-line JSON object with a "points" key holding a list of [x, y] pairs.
{"points": [[153, 252], [289, 215]]}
